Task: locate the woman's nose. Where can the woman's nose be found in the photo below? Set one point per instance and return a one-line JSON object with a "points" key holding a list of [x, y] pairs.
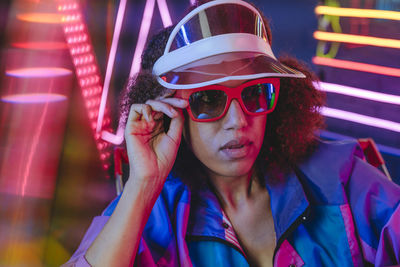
{"points": [[235, 118]]}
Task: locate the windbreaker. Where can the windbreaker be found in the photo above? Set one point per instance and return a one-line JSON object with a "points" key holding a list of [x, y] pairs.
{"points": [[332, 210]]}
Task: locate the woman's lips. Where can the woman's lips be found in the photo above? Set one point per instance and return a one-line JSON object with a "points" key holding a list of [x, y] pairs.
{"points": [[237, 148]]}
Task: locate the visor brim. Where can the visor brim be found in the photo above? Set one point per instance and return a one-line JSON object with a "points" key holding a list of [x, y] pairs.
{"points": [[223, 67]]}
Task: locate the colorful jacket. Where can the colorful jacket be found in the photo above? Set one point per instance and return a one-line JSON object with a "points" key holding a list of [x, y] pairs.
{"points": [[332, 210]]}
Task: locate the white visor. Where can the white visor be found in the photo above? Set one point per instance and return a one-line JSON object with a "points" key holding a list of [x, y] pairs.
{"points": [[219, 41]]}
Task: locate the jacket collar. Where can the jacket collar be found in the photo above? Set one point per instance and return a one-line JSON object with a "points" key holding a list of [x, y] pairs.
{"points": [[288, 202]]}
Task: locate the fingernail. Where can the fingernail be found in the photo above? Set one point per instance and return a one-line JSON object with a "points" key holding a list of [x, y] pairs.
{"points": [[173, 112]]}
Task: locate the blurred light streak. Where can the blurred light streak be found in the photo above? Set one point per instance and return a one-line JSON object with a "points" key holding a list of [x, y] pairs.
{"points": [[50, 18], [356, 39], [110, 63], [40, 72], [143, 33], [41, 45], [357, 66], [33, 98], [362, 119], [357, 12], [33, 150], [357, 92], [165, 16]]}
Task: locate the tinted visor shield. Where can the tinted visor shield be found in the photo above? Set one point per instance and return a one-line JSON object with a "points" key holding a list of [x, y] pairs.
{"points": [[211, 103], [218, 20], [243, 65]]}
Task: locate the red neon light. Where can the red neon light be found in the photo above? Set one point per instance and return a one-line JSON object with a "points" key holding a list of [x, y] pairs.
{"points": [[86, 69], [357, 66]]}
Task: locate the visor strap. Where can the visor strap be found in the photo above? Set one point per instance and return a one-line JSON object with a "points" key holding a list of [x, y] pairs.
{"points": [[215, 45]]}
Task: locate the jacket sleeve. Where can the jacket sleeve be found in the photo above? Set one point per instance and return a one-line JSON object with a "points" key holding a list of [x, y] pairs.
{"points": [[375, 203], [78, 258]]}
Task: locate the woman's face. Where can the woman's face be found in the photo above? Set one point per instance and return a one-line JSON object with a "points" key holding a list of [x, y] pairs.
{"points": [[230, 145]]}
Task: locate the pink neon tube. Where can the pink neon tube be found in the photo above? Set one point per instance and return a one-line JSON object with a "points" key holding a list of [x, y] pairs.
{"points": [[165, 16], [362, 119], [143, 32], [110, 63], [357, 92]]}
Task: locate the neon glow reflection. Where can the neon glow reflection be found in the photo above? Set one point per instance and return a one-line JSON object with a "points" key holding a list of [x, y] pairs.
{"points": [[38, 72], [33, 98]]}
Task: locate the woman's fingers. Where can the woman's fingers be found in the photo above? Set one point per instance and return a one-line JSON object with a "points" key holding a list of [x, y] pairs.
{"points": [[146, 118], [175, 102], [162, 107], [176, 126]]}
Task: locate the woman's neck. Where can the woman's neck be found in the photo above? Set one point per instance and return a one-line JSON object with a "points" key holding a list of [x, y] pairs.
{"points": [[233, 191]]}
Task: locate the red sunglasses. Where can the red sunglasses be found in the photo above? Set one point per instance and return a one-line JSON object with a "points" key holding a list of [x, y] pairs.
{"points": [[210, 103]]}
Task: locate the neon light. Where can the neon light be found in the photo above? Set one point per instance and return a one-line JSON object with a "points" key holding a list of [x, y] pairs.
{"points": [[110, 63], [33, 98], [165, 16], [357, 92], [362, 119], [116, 139], [41, 45], [144, 31], [356, 12], [38, 72], [356, 39], [357, 66], [49, 18]]}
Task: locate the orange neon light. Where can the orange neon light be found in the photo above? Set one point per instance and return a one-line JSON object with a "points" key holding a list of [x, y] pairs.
{"points": [[357, 12], [356, 39], [50, 18], [351, 65], [41, 45]]}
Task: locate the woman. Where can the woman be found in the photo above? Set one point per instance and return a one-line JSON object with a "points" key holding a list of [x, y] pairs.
{"points": [[220, 177]]}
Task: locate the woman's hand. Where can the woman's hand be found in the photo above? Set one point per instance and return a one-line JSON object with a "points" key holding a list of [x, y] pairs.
{"points": [[151, 150]]}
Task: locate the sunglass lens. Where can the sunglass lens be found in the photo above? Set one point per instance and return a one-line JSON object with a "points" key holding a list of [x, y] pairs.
{"points": [[207, 104], [259, 98]]}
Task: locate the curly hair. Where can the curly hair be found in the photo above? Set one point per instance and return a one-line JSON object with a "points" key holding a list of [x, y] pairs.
{"points": [[290, 131]]}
